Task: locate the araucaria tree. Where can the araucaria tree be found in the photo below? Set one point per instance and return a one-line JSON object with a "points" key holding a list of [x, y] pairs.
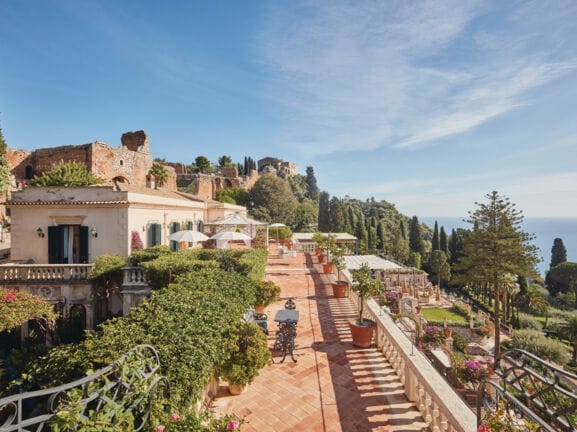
{"points": [[495, 248]]}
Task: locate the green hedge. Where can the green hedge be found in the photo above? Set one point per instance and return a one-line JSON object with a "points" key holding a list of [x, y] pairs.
{"points": [[148, 254], [536, 343], [189, 322]]}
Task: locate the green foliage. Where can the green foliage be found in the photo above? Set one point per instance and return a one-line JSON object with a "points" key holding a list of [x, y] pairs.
{"points": [[164, 269], [274, 195], [224, 161], [535, 342], [189, 322], [365, 285], [565, 275], [67, 174], [558, 253], [311, 181], [440, 266], [148, 254], [460, 342], [202, 163], [526, 321], [306, 216], [267, 292], [415, 237], [247, 356], [494, 248], [461, 310], [232, 195], [107, 272], [203, 421], [324, 221], [18, 307], [160, 174]]}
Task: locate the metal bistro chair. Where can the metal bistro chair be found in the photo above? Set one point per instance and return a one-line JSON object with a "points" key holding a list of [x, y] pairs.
{"points": [[290, 304]]}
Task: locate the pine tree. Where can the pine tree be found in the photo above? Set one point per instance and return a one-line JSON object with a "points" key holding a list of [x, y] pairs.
{"points": [[495, 249], [558, 253], [435, 241]]}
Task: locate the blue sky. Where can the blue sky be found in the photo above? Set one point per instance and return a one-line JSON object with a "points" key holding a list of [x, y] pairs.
{"points": [[429, 105]]}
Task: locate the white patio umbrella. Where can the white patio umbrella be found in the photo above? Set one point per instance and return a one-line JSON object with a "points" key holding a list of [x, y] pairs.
{"points": [[277, 225], [188, 236], [230, 235]]}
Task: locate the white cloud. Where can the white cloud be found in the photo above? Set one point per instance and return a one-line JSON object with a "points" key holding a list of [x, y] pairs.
{"points": [[400, 74]]}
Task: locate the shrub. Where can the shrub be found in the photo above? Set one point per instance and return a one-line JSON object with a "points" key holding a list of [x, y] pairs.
{"points": [[535, 342], [460, 309], [460, 342], [188, 322], [433, 334], [267, 292], [148, 254], [529, 322]]}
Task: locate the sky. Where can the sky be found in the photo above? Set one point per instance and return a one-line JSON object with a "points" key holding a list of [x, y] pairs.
{"points": [[429, 105]]}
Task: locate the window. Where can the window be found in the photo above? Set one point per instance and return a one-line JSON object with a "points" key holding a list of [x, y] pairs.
{"points": [[67, 244], [154, 234], [174, 227]]}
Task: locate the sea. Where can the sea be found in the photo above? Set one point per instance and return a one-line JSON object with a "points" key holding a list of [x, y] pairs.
{"points": [[545, 230]]}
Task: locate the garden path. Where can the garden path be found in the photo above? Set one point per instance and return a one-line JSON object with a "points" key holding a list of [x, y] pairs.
{"points": [[333, 386]]}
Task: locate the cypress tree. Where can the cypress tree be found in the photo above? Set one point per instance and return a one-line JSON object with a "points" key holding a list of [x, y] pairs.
{"points": [[443, 241], [435, 241], [381, 239], [415, 242], [311, 181], [324, 219], [558, 253]]}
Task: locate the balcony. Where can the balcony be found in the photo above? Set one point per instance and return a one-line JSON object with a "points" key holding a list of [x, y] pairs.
{"points": [[44, 273]]}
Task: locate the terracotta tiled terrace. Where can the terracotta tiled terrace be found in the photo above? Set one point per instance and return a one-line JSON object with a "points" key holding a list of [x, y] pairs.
{"points": [[333, 386]]}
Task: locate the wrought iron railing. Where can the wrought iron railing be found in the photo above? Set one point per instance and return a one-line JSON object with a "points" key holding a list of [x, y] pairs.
{"points": [[128, 384], [530, 390]]}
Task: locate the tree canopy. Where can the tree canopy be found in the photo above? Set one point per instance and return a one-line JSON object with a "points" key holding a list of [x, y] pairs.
{"points": [[565, 276], [160, 174], [558, 253], [67, 174], [495, 248], [273, 200]]}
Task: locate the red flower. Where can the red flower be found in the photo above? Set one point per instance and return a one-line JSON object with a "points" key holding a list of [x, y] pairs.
{"points": [[232, 425], [174, 417], [484, 428]]}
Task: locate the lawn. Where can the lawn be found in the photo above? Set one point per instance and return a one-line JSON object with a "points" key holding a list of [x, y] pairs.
{"points": [[439, 314]]}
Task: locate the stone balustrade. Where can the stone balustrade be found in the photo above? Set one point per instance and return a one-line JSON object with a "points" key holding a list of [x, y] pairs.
{"points": [[45, 273], [133, 276], [441, 407]]}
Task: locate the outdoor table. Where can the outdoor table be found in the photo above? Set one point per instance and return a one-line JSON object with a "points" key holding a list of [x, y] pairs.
{"points": [[285, 336], [286, 315]]}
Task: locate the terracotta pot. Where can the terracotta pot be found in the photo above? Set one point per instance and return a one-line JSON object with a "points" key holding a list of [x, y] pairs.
{"points": [[340, 289], [318, 251], [322, 258], [448, 332], [362, 334], [259, 309], [327, 268], [235, 389]]}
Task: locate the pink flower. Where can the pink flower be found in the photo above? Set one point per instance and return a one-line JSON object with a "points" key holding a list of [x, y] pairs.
{"points": [[484, 428], [232, 425], [160, 428], [174, 417], [10, 296]]}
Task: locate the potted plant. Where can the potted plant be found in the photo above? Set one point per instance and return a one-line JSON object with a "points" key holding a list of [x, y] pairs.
{"points": [[267, 292], [319, 241], [365, 285], [339, 286], [248, 354]]}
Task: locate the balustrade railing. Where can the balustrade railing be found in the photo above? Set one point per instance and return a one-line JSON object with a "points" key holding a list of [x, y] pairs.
{"points": [[15, 273], [442, 409], [133, 276]]}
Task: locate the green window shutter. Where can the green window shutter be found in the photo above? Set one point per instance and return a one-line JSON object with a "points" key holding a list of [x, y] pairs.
{"points": [[158, 234], [200, 226], [83, 244], [189, 226], [55, 245], [149, 235]]}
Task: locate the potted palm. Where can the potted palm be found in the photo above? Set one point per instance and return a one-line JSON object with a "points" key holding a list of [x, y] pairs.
{"points": [[247, 356], [365, 285], [339, 286], [267, 292]]}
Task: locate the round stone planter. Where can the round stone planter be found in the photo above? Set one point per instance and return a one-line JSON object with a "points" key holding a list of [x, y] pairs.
{"points": [[340, 289], [362, 334]]}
